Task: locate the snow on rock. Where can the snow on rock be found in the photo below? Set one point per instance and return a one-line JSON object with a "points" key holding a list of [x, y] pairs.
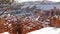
{"points": [[4, 33], [47, 30]]}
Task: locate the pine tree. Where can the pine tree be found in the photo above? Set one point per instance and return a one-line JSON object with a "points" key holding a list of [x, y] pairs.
{"points": [[6, 1]]}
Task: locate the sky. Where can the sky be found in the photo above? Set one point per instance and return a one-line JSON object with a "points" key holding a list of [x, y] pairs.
{"points": [[36, 0]]}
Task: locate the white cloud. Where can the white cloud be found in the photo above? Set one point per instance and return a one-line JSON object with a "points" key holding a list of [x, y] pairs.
{"points": [[55, 0]]}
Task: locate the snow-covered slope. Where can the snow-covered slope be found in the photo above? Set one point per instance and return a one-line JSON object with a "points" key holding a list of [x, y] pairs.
{"points": [[47, 30]]}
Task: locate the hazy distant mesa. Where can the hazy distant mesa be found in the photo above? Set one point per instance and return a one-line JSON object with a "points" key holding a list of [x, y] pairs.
{"points": [[37, 0]]}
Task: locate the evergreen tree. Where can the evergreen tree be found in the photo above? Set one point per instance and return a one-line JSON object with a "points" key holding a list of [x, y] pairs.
{"points": [[6, 1]]}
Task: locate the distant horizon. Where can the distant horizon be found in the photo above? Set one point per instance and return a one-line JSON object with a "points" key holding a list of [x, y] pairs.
{"points": [[36, 0]]}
